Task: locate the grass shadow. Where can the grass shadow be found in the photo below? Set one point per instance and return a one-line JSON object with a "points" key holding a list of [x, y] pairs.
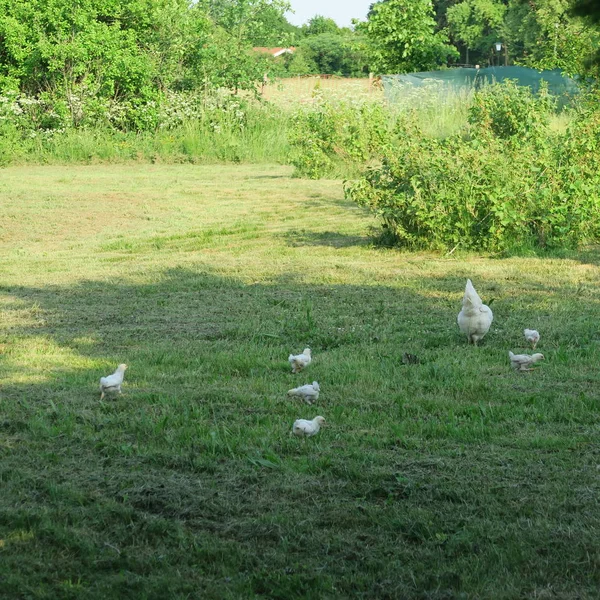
{"points": [[325, 238], [190, 482], [249, 178]]}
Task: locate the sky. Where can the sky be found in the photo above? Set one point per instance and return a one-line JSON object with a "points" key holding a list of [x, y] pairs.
{"points": [[341, 11]]}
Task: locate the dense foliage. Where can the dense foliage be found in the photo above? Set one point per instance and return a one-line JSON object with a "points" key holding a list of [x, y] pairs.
{"points": [[321, 47], [334, 53], [327, 134], [92, 55], [547, 34], [510, 183], [417, 36], [402, 37], [509, 110], [476, 24]]}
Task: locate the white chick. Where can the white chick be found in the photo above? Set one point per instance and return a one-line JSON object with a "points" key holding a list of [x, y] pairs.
{"points": [[309, 392], [300, 361], [112, 383], [522, 362], [532, 336], [475, 318], [304, 428]]}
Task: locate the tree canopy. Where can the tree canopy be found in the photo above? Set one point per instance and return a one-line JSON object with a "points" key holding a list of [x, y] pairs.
{"points": [[477, 24], [402, 36], [319, 25], [133, 50]]}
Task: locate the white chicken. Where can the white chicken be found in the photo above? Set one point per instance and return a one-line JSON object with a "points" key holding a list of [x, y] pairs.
{"points": [[532, 336], [522, 362], [112, 383], [309, 392], [305, 428], [475, 318], [300, 361]]}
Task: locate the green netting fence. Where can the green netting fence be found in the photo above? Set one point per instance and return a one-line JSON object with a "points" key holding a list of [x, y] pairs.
{"points": [[399, 88]]}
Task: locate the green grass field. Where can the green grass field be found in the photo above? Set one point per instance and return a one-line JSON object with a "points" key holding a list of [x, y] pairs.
{"points": [[453, 478]]}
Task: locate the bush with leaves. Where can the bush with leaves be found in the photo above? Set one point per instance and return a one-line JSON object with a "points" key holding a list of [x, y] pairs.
{"points": [[328, 134], [334, 53], [487, 193], [33, 115], [507, 109], [113, 60]]}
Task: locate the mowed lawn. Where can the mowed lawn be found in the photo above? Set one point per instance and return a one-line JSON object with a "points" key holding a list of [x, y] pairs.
{"points": [[452, 478]]}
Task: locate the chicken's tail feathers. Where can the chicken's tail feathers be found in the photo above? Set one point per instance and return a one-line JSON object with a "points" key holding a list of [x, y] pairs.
{"points": [[510, 354], [471, 296]]}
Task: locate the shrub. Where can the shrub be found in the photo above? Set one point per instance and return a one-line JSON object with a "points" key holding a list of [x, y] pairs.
{"points": [[507, 109], [28, 114], [488, 194], [181, 127], [328, 134]]}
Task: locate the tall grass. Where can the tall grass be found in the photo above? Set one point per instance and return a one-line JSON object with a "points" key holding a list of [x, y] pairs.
{"points": [[187, 143], [263, 138], [290, 92], [181, 128], [224, 128], [437, 110]]}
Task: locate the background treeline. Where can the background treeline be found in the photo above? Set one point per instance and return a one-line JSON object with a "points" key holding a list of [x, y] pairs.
{"points": [[133, 50], [414, 35]]}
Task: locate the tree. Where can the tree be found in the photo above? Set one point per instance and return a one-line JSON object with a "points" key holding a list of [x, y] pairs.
{"points": [[401, 37], [260, 22], [168, 31], [477, 24], [440, 8], [544, 34], [549, 37], [336, 54], [65, 46], [590, 10], [301, 63], [246, 20], [227, 60], [274, 30], [587, 8], [319, 25], [93, 53]]}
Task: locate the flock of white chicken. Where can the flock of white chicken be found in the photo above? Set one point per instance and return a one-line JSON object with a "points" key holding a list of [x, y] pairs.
{"points": [[309, 393], [474, 320]]}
